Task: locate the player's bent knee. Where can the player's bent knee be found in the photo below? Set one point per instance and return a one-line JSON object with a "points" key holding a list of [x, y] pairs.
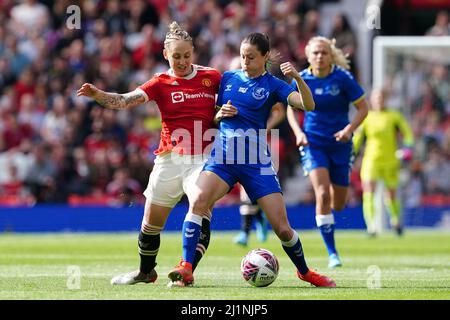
{"points": [[201, 203]]}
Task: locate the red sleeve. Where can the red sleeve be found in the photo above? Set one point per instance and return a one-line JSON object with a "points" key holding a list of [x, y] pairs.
{"points": [[150, 88]]}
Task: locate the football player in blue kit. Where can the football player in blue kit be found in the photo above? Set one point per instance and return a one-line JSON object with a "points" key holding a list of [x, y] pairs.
{"points": [[326, 139], [240, 154]]}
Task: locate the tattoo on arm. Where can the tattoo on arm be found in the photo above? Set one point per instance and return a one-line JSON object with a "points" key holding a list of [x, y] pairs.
{"points": [[110, 100], [120, 101], [133, 98]]}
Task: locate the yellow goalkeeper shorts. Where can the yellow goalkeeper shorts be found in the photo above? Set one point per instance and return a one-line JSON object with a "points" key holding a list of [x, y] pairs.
{"points": [[388, 173]]}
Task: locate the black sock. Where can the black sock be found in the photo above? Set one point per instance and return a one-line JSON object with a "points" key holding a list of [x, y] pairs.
{"points": [[259, 215], [149, 241], [246, 222], [203, 242]]}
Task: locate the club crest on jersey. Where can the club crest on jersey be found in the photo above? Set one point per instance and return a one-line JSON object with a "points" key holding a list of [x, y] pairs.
{"points": [[206, 82], [177, 97], [259, 93], [333, 90]]}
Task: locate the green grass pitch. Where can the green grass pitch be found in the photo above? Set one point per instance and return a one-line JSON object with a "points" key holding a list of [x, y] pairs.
{"points": [[35, 266]]}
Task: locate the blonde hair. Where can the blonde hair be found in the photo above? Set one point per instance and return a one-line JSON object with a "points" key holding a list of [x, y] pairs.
{"points": [[176, 33], [337, 56]]}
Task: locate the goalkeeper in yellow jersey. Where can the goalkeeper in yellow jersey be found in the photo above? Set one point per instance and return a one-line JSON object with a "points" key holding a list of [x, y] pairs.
{"points": [[382, 158]]}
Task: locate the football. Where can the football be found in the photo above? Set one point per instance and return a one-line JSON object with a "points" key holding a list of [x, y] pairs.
{"points": [[259, 267]]}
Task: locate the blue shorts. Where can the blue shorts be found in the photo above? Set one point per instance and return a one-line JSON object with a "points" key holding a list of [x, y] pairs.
{"points": [[337, 159], [257, 181]]}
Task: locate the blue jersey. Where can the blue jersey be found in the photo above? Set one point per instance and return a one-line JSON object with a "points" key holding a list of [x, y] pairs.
{"points": [[332, 96], [254, 99]]}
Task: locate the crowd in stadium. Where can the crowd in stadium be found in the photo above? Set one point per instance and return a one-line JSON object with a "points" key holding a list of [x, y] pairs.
{"points": [[56, 147]]}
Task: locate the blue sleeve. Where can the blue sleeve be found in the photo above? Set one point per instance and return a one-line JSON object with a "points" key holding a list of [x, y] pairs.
{"points": [[223, 82], [283, 90], [352, 88]]}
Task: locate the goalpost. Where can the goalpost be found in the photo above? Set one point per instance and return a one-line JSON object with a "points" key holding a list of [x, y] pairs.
{"points": [[404, 63]]}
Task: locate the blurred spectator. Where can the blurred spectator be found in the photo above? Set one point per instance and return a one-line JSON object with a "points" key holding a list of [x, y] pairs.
{"points": [[345, 39], [29, 16], [427, 102], [433, 133], [79, 180], [30, 113], [14, 133], [309, 29], [441, 25], [420, 144], [114, 17], [6, 75], [222, 61], [113, 130], [76, 57], [25, 84], [446, 143], [122, 188], [97, 141], [414, 189], [139, 167], [55, 121], [406, 84], [41, 176], [149, 45], [440, 81], [14, 185], [150, 66], [356, 191], [100, 171], [436, 172], [7, 102]]}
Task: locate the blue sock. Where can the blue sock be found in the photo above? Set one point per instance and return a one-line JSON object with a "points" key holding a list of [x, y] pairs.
{"points": [[325, 223], [294, 250], [192, 226]]}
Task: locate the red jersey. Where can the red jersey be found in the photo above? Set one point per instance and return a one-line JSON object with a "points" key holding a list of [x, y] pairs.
{"points": [[187, 107]]}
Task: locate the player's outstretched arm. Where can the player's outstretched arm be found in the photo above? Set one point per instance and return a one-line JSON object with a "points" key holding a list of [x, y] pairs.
{"points": [[112, 100], [303, 100]]}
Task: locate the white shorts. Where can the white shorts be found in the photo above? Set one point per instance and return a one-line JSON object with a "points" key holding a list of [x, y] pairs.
{"points": [[173, 176]]}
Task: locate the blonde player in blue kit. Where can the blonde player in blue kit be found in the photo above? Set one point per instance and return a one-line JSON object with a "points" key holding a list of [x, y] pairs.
{"points": [[325, 142], [241, 155]]}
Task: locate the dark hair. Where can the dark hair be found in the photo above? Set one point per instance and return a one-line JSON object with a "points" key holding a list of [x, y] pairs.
{"points": [[261, 41]]}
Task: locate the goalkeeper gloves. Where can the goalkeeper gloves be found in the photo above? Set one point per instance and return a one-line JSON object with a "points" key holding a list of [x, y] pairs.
{"points": [[404, 154]]}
